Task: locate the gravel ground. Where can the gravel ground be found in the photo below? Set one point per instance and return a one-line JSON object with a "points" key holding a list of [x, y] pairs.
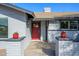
{"points": [[37, 48]]}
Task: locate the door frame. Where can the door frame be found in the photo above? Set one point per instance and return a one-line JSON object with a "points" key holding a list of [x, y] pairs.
{"points": [[40, 30]]}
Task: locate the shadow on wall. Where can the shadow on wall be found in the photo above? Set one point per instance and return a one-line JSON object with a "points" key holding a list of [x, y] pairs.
{"points": [[49, 49], [49, 52]]}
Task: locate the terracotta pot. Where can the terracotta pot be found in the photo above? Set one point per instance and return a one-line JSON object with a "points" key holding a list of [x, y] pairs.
{"points": [[15, 36], [63, 35]]}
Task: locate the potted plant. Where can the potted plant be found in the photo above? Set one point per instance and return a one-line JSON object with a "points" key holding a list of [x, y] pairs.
{"points": [[15, 35]]}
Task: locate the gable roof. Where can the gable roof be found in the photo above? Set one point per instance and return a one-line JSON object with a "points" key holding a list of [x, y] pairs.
{"points": [[30, 13]]}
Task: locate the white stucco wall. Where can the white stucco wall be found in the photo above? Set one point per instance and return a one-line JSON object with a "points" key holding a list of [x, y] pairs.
{"points": [[54, 31], [53, 25], [16, 26], [17, 22], [25, 43]]}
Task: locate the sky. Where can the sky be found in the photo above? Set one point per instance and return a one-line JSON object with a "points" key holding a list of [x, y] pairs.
{"points": [[56, 7]]}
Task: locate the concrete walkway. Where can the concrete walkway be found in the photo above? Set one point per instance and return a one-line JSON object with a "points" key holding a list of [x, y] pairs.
{"points": [[37, 48]]}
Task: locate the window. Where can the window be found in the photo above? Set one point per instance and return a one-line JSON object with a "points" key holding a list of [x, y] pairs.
{"points": [[63, 24], [3, 28], [69, 25], [78, 25], [73, 24]]}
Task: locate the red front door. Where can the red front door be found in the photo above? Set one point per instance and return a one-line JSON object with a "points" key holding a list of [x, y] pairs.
{"points": [[36, 30]]}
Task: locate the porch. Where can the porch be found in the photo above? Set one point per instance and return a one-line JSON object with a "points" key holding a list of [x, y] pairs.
{"points": [[35, 48], [52, 24], [38, 48], [52, 27]]}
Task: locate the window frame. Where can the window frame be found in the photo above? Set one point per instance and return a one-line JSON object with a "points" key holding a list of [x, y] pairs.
{"points": [[6, 18], [64, 28], [69, 25], [77, 26]]}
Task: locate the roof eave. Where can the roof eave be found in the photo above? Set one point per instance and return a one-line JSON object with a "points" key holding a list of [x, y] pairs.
{"points": [[17, 8]]}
